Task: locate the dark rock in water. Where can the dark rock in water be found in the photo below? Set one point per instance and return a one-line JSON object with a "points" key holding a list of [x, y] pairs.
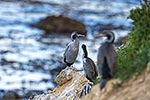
{"points": [[60, 24], [101, 27], [11, 96], [18, 94]]}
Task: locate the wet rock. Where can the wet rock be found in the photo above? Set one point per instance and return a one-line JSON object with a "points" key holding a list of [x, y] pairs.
{"points": [[18, 94], [4, 51], [6, 62], [60, 24], [100, 27], [71, 84], [11, 95]]}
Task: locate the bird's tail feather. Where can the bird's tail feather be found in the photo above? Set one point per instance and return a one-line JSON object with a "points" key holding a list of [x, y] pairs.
{"points": [[103, 83]]}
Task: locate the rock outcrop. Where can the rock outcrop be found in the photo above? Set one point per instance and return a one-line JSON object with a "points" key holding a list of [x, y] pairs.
{"points": [[60, 24], [71, 84]]}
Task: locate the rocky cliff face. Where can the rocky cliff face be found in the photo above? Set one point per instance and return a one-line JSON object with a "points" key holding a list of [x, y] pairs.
{"points": [[137, 88]]}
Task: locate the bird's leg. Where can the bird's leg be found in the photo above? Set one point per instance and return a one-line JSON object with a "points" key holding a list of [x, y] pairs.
{"points": [[103, 83]]}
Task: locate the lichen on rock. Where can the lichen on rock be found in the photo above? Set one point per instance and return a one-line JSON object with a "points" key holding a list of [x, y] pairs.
{"points": [[71, 85]]}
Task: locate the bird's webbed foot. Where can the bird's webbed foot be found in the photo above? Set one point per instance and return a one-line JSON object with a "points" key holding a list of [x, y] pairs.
{"points": [[86, 89]]}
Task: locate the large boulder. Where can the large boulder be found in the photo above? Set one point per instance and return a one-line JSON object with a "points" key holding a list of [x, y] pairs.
{"points": [[72, 84], [60, 24]]}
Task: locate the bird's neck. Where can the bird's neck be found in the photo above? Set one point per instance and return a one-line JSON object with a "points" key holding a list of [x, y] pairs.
{"points": [[85, 53], [110, 39], [76, 41], [108, 42]]}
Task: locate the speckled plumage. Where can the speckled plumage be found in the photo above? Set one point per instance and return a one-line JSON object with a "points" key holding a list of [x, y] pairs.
{"points": [[88, 65], [72, 49]]}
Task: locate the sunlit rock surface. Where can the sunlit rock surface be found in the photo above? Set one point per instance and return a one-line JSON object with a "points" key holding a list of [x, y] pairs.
{"points": [[70, 86], [61, 24]]}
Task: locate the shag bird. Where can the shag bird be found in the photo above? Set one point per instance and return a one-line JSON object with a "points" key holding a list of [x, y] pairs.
{"points": [[106, 59], [88, 65], [72, 49]]}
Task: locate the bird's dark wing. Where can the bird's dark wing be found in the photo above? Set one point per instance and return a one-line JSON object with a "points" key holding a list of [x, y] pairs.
{"points": [[112, 59], [67, 47], [106, 71], [66, 50], [100, 58], [91, 67]]}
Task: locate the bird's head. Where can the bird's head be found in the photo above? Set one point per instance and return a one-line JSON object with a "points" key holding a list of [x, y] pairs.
{"points": [[109, 34], [83, 46], [75, 35]]}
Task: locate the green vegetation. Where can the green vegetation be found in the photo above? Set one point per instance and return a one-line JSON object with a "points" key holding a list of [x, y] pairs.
{"points": [[134, 56]]}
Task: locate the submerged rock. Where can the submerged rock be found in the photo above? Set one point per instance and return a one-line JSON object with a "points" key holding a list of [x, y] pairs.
{"points": [[60, 24], [72, 84]]}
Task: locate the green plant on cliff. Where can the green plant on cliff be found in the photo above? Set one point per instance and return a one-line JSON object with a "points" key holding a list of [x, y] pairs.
{"points": [[133, 57]]}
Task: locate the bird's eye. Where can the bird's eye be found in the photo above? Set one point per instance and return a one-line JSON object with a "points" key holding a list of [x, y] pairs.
{"points": [[108, 36], [74, 36]]}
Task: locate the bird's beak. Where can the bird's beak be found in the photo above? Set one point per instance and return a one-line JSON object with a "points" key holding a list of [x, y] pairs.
{"points": [[80, 35], [100, 35]]}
